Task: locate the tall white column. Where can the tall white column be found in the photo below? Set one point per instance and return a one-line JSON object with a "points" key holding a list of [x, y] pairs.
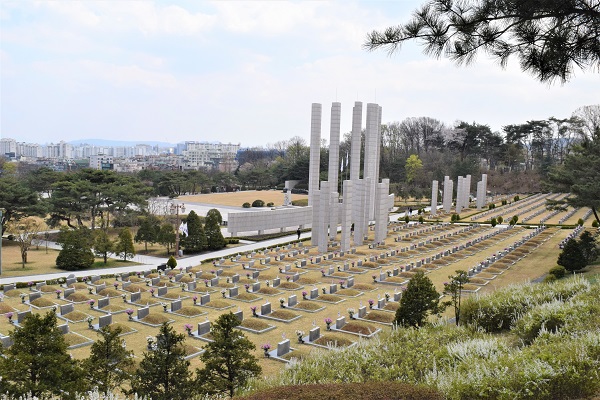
{"points": [[434, 196], [315, 151], [346, 214], [323, 216], [316, 210], [459, 194], [448, 189], [371, 159], [382, 191], [356, 141], [334, 145]]}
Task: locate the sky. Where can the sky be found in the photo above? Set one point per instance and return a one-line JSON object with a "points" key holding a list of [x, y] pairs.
{"points": [[239, 72]]}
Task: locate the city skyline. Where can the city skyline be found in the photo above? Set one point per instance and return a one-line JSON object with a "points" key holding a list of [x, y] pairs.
{"points": [[238, 72]]}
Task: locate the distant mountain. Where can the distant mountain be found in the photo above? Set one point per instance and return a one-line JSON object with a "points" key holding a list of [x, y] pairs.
{"points": [[116, 143]]}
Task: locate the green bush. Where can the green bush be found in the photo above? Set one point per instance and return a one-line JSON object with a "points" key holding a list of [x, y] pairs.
{"points": [[517, 198], [504, 202], [421, 219], [580, 222], [258, 203], [406, 219], [493, 222], [348, 391], [246, 205], [300, 203], [233, 241], [558, 271], [500, 219], [270, 204], [595, 224]]}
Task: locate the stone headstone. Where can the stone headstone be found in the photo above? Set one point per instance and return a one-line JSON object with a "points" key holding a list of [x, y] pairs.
{"points": [[135, 297], [256, 286], [22, 314], [314, 293], [292, 300], [33, 296], [191, 286], [350, 282], [155, 281], [332, 288], [283, 347], [205, 298], [66, 308], [100, 288], [362, 311], [39, 285], [239, 315], [255, 274], [104, 320], [94, 278], [178, 277], [214, 282], [143, 312], [103, 302], [125, 276], [233, 292], [380, 303], [397, 296], [340, 322], [203, 328], [265, 309], [314, 334], [64, 329], [8, 287], [162, 291], [125, 284], [175, 305], [276, 282], [219, 271], [303, 263], [71, 281], [295, 277], [235, 278]]}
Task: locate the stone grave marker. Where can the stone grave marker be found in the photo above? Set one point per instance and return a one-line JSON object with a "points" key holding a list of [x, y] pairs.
{"points": [[203, 328], [68, 292], [397, 296], [380, 303], [143, 312], [155, 281], [314, 293], [191, 286], [350, 282], [314, 334], [64, 329], [235, 278], [125, 284], [292, 300], [295, 277], [39, 285], [135, 297], [175, 305], [103, 302], [265, 309], [71, 281], [198, 274], [104, 320], [8, 287], [256, 286], [276, 282], [303, 263], [219, 271], [22, 314], [362, 311], [66, 308], [125, 276], [178, 277], [214, 282], [100, 288], [283, 347], [332, 288], [239, 314], [33, 296], [205, 298], [233, 292], [340, 322], [255, 274], [161, 291]]}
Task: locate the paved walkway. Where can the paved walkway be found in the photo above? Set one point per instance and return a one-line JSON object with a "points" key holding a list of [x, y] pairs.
{"points": [[149, 262]]}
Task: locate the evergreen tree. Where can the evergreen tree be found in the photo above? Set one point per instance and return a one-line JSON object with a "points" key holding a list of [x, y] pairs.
{"points": [[148, 231], [109, 362], [166, 236], [572, 257], [195, 242], [418, 300], [588, 245], [38, 362], [454, 290], [228, 361], [103, 245], [171, 262], [76, 253], [212, 228], [124, 245], [163, 373]]}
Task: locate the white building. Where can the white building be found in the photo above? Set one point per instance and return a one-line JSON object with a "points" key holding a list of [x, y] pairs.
{"points": [[8, 145], [101, 161]]}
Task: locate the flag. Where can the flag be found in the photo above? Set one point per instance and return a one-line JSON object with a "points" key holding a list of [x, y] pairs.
{"points": [[185, 229], [181, 227], [347, 157], [342, 166]]}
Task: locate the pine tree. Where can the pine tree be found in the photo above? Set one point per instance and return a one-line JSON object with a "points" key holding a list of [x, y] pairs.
{"points": [[124, 245], [454, 290], [195, 242], [418, 300], [103, 245], [166, 236], [228, 361], [148, 231], [109, 362], [589, 247], [76, 250], [38, 362], [212, 228], [572, 257], [164, 373]]}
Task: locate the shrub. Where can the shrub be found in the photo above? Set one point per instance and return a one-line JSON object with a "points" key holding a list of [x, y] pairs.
{"points": [[258, 203], [233, 241], [270, 204], [558, 271], [246, 205], [504, 202], [348, 391], [494, 222], [406, 219], [595, 224], [300, 203], [550, 278], [517, 198], [421, 219], [580, 222], [500, 219]]}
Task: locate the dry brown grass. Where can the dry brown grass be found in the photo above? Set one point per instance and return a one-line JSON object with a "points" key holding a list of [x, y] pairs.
{"points": [[334, 340], [283, 314], [307, 305], [254, 323]]}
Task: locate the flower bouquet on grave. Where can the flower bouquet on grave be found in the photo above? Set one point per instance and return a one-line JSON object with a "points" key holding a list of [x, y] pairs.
{"points": [[116, 285], [138, 274], [342, 284], [300, 335], [23, 295], [328, 322], [387, 296], [117, 276], [248, 276], [247, 287], [58, 292], [324, 290], [9, 315], [30, 284], [90, 290], [287, 278], [223, 292], [371, 302], [150, 342], [188, 329], [351, 312], [267, 283], [253, 309], [282, 302], [266, 347], [152, 292], [374, 278], [89, 320], [304, 294], [91, 303], [323, 272], [388, 272], [164, 306], [183, 287], [129, 313], [195, 299], [206, 282], [281, 270]]}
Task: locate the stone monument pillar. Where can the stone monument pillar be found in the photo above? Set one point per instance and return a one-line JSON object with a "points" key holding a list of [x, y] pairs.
{"points": [[346, 215], [447, 198], [434, 196], [315, 151]]}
